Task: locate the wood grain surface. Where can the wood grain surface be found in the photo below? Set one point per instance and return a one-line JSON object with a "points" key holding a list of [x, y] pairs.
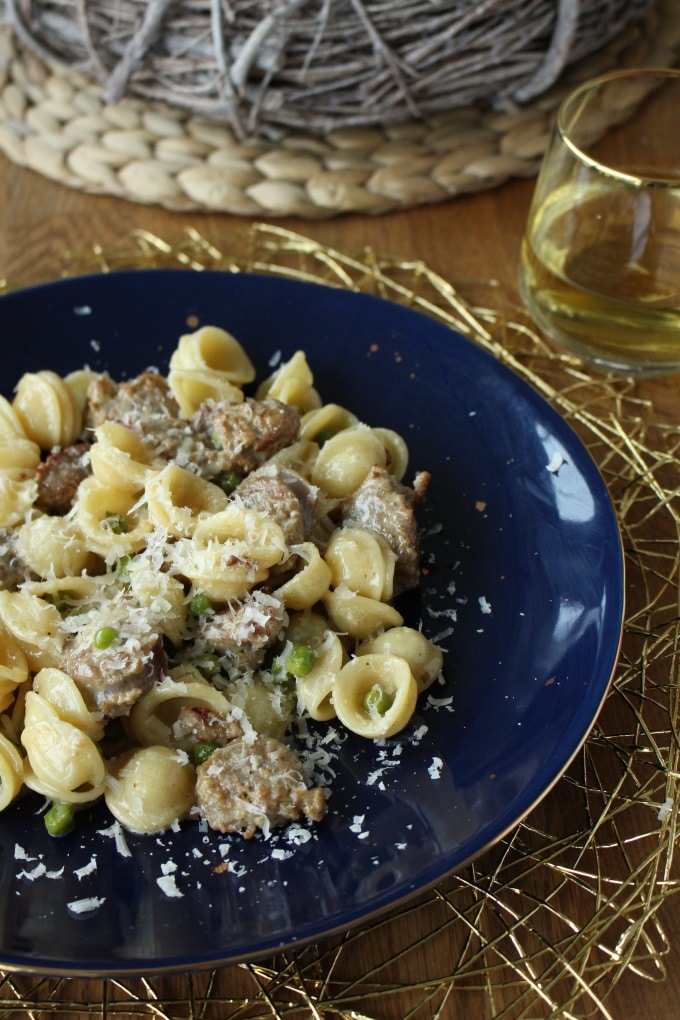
{"points": [[474, 237]]}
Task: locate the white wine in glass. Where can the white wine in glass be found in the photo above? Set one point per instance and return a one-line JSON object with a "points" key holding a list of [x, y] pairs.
{"points": [[600, 260]]}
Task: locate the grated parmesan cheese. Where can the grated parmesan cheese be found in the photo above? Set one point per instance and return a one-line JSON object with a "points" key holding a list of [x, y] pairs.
{"points": [[115, 832], [87, 905], [87, 869], [37, 872], [167, 881], [281, 855]]}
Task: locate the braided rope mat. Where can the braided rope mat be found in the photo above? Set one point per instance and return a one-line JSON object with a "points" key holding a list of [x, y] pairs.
{"points": [[56, 122]]}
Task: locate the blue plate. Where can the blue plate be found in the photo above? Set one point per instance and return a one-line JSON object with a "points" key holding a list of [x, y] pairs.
{"points": [[523, 590]]}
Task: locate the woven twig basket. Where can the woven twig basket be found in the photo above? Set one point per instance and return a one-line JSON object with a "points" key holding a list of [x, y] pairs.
{"points": [[318, 65], [303, 109]]}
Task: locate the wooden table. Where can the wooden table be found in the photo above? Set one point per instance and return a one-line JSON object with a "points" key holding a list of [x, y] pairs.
{"points": [[475, 237]]}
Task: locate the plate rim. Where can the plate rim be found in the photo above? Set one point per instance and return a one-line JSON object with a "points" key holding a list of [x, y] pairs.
{"points": [[386, 903]]}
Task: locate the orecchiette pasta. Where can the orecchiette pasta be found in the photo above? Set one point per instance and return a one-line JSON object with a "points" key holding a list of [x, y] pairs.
{"points": [[425, 659], [13, 663], [176, 499], [63, 761], [47, 409], [325, 421], [11, 426], [359, 615], [261, 536], [206, 569], [217, 351], [78, 383], [11, 771], [119, 458], [345, 459], [209, 364], [292, 383], [396, 450], [310, 582], [260, 706], [114, 522], [19, 458], [162, 592], [150, 788], [315, 690], [375, 694], [35, 625], [152, 718], [17, 496], [65, 591], [183, 579], [19, 454], [192, 386], [308, 627], [54, 547], [58, 689], [299, 456], [230, 552], [361, 561], [7, 695]]}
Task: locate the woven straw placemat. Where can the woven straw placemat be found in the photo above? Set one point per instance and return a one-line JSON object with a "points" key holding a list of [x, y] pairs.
{"points": [[56, 122]]}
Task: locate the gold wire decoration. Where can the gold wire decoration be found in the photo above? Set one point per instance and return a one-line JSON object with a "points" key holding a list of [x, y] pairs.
{"points": [[545, 923]]}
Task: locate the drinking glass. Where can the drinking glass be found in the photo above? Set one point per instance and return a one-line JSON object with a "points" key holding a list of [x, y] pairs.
{"points": [[600, 259]]}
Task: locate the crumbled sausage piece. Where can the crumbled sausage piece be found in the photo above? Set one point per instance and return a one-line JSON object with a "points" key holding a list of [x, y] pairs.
{"points": [[220, 437], [113, 678], [284, 496], [241, 633], [384, 505], [420, 486], [100, 395], [205, 726], [59, 476], [247, 434], [173, 439], [255, 784], [146, 396]]}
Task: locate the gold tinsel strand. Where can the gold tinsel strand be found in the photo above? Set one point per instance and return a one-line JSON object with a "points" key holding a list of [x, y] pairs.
{"points": [[521, 944]]}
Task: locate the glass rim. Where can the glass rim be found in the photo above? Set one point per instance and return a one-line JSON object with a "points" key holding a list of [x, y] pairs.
{"points": [[635, 180]]}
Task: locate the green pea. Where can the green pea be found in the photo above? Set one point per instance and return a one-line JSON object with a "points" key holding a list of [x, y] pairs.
{"points": [[378, 701], [116, 523], [104, 638], [323, 435], [209, 665], [300, 660], [60, 819], [201, 752], [229, 481], [200, 603]]}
